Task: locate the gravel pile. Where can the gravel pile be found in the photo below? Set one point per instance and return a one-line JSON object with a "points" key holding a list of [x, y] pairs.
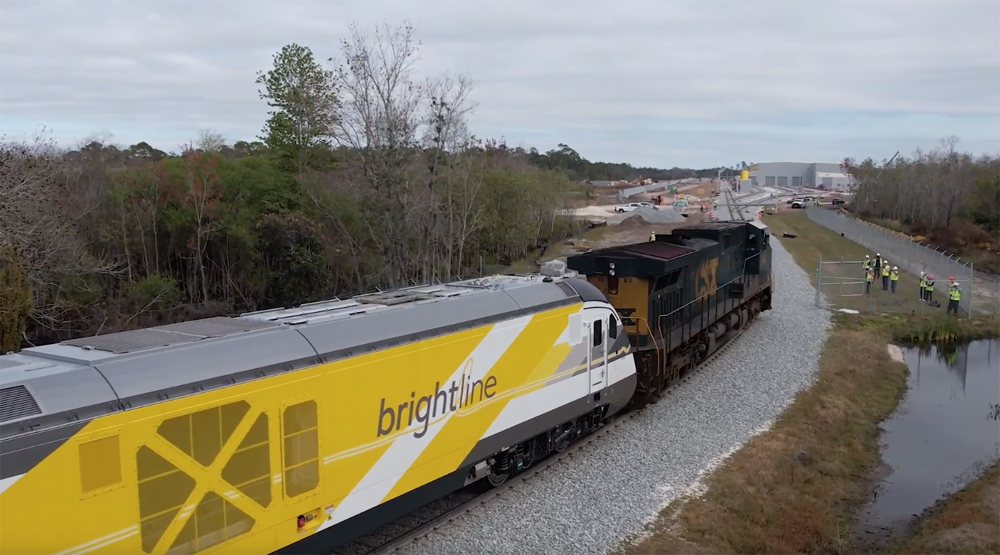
{"points": [[663, 215], [610, 488]]}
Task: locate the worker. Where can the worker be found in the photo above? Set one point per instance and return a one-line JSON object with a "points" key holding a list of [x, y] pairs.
{"points": [[920, 288], [652, 236], [878, 261], [869, 277], [885, 276], [867, 264], [954, 296], [929, 288], [893, 278]]}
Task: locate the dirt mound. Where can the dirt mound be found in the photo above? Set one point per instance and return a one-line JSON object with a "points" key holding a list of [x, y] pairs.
{"points": [[632, 222]]}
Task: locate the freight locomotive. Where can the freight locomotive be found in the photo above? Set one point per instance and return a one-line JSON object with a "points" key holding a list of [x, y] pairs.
{"points": [[296, 430]]}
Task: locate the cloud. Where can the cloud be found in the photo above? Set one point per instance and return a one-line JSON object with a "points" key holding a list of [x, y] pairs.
{"points": [[613, 79]]}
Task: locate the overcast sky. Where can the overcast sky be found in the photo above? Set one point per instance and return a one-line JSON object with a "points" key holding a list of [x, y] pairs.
{"points": [[650, 82]]}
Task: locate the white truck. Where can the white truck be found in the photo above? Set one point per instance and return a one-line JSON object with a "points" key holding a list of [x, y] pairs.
{"points": [[622, 208]]}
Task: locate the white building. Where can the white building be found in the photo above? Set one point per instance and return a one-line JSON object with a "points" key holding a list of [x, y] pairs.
{"points": [[799, 174]]}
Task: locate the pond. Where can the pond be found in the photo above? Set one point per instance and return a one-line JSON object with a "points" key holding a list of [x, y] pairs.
{"points": [[946, 430]]}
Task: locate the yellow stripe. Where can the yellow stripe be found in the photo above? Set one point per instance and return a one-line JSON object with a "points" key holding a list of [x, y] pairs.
{"points": [[354, 451], [453, 443]]}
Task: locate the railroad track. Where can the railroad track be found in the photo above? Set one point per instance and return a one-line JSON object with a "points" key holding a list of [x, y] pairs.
{"points": [[393, 537], [731, 205]]}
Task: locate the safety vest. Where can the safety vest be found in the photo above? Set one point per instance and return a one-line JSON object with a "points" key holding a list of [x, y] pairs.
{"points": [[885, 271], [869, 276], [652, 236], [894, 275], [929, 285], [954, 294], [867, 264]]}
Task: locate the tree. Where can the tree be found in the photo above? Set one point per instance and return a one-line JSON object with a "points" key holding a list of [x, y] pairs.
{"points": [[303, 96], [378, 125], [210, 141], [15, 300]]}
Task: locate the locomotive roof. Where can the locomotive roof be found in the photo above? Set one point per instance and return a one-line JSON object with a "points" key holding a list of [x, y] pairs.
{"points": [[79, 379], [654, 258]]}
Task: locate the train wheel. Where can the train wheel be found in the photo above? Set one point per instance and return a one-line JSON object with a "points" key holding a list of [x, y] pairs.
{"points": [[563, 439], [497, 479]]}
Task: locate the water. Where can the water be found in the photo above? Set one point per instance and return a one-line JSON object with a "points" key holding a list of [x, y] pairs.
{"points": [[945, 431]]}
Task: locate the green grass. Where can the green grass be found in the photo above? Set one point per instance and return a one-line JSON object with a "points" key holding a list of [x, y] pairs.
{"points": [[814, 241]]}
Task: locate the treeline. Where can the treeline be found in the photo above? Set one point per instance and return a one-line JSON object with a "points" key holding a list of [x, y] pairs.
{"points": [[950, 196], [579, 168], [364, 177]]}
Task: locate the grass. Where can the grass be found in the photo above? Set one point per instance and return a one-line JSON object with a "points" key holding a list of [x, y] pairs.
{"points": [[796, 488], [814, 240], [967, 522]]}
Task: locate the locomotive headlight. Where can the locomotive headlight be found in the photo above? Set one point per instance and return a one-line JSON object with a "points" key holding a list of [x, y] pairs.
{"points": [[612, 272], [611, 265]]}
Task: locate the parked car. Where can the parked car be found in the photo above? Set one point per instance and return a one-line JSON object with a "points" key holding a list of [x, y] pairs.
{"points": [[798, 204], [839, 201]]}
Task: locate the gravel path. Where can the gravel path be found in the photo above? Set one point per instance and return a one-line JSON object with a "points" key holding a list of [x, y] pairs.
{"points": [[610, 488]]}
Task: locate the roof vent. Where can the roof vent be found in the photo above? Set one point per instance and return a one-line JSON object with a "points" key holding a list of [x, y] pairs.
{"points": [[16, 403]]}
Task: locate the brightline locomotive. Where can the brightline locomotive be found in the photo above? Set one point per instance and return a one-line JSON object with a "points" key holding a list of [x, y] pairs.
{"points": [[296, 430]]}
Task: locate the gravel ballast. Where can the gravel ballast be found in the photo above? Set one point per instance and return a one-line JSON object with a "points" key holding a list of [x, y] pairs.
{"points": [[608, 489]]}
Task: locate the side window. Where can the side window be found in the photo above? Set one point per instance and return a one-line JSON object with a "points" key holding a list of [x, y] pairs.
{"points": [[598, 332], [612, 327], [300, 449]]}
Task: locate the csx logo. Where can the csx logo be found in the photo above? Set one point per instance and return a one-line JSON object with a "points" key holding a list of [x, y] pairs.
{"points": [[705, 277]]}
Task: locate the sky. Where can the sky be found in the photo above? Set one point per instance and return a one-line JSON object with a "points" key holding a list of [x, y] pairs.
{"points": [[658, 83]]}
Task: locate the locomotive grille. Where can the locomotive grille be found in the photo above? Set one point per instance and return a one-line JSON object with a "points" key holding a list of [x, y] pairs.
{"points": [[16, 402]]}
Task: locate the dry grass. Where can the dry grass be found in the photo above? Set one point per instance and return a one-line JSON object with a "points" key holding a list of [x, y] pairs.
{"points": [[794, 489], [968, 522], [797, 487]]}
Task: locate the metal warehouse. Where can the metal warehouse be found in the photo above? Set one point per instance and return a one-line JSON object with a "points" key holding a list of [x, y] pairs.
{"points": [[798, 174]]}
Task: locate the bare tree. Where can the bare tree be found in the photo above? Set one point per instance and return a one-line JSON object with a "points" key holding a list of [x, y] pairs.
{"points": [[378, 123], [210, 141], [39, 225]]}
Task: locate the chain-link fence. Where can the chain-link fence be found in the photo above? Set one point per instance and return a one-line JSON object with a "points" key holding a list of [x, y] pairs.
{"points": [[844, 285], [910, 256]]}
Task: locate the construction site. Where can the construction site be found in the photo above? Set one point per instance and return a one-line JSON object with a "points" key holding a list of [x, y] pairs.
{"points": [[628, 212]]}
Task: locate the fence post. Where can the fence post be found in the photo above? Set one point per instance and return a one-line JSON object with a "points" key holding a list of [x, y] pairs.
{"points": [[819, 276], [840, 288], [971, 277]]}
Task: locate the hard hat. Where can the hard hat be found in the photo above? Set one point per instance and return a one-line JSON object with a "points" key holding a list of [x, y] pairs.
{"points": [[866, 256], [895, 267], [953, 284], [922, 273], [878, 254], [931, 276], [951, 278]]}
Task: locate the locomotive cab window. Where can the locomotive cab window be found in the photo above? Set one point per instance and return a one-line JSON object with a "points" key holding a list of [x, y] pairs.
{"points": [[598, 333], [612, 327], [667, 280]]}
